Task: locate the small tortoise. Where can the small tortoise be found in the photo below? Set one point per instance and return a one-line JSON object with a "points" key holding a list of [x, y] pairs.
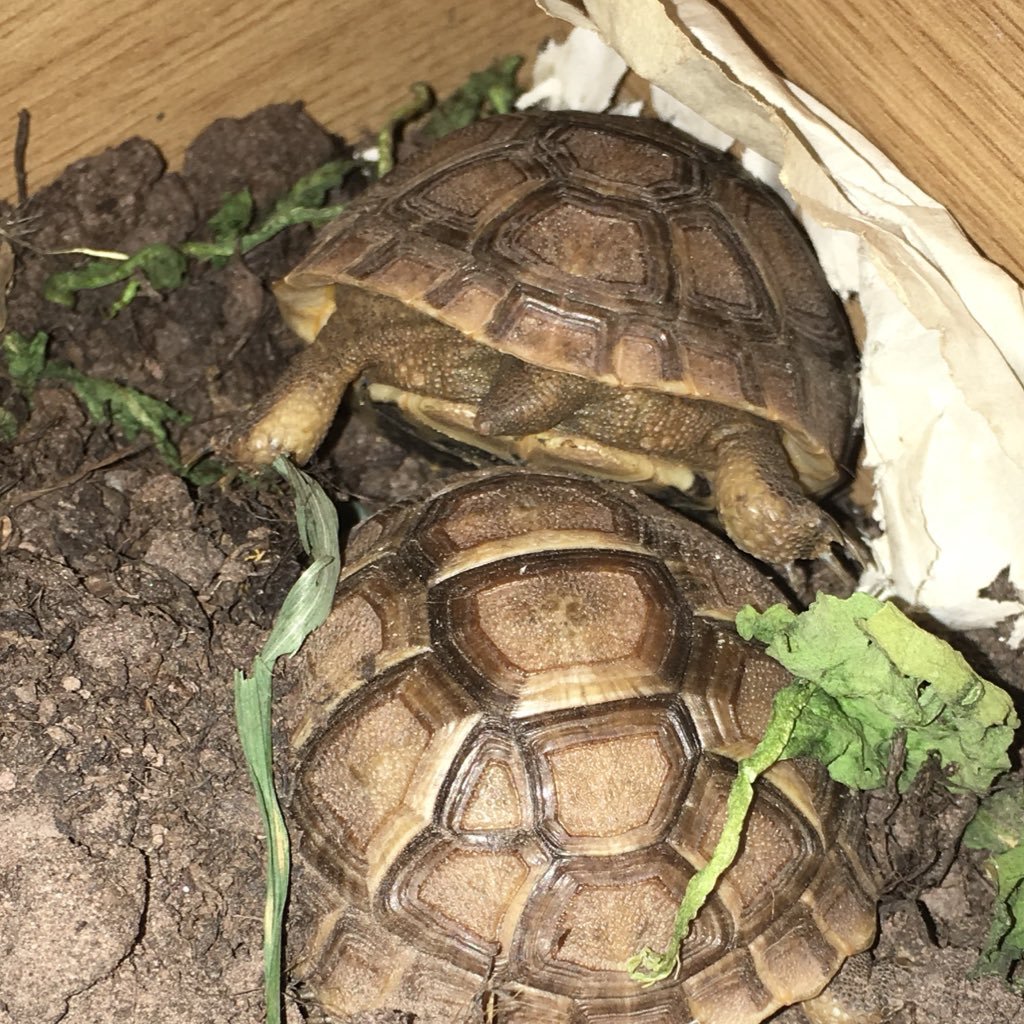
{"points": [[583, 291], [514, 736]]}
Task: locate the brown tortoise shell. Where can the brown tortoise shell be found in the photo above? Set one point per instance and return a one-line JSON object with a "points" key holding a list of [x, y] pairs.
{"points": [[614, 248], [515, 735]]}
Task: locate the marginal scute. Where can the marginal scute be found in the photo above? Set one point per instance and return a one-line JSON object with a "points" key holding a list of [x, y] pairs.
{"points": [[730, 990], [402, 271], [643, 351], [570, 337], [793, 958], [842, 908], [515, 762]]}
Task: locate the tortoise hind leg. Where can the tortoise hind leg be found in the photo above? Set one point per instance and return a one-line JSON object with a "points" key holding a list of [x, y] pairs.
{"points": [[526, 399]]}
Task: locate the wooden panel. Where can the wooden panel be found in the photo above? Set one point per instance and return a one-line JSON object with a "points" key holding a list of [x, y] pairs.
{"points": [[937, 85], [93, 72]]}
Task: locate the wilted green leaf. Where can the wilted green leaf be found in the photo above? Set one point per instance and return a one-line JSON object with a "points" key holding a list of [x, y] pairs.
{"points": [[233, 217], [421, 101], [127, 296], [26, 358], [164, 266], [8, 426], [491, 91], [998, 826], [311, 190], [129, 410], [303, 204], [864, 671], [879, 673]]}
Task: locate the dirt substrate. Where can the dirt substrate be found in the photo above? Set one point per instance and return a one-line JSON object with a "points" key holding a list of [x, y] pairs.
{"points": [[130, 849]]}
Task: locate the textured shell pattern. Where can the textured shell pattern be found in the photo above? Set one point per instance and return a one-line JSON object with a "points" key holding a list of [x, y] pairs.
{"points": [[515, 736], [614, 248]]}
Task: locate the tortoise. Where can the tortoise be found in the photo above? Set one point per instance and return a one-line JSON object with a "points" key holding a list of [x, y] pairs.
{"points": [[514, 737], [583, 291]]}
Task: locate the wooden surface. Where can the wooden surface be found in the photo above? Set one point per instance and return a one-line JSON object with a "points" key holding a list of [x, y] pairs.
{"points": [[937, 85], [93, 72]]}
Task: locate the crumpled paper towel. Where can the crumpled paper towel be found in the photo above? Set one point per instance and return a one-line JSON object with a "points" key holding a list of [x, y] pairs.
{"points": [[943, 402]]}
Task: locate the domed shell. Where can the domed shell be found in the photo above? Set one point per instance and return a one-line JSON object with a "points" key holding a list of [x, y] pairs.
{"points": [[613, 248], [515, 736]]}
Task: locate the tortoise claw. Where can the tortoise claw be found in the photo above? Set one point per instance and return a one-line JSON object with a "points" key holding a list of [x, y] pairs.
{"points": [[851, 545]]}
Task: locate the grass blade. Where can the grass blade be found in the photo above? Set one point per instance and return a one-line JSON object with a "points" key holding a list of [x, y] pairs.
{"points": [[306, 606]]}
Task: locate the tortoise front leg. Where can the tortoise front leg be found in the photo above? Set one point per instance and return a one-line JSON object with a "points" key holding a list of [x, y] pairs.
{"points": [[295, 416], [761, 504], [365, 329], [755, 489]]}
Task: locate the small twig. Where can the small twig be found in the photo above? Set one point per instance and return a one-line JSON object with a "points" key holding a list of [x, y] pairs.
{"points": [[90, 467], [20, 149]]}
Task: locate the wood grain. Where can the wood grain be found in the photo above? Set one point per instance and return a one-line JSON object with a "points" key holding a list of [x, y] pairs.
{"points": [[938, 86], [94, 72]]}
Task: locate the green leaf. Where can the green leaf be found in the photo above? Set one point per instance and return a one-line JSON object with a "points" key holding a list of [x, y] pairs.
{"points": [[998, 826], [879, 673], [131, 411], [420, 102], [311, 191], [205, 471], [864, 672], [491, 91], [303, 204], [164, 266], [233, 217], [26, 359], [307, 605], [63, 286], [8, 426], [649, 966], [126, 298]]}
